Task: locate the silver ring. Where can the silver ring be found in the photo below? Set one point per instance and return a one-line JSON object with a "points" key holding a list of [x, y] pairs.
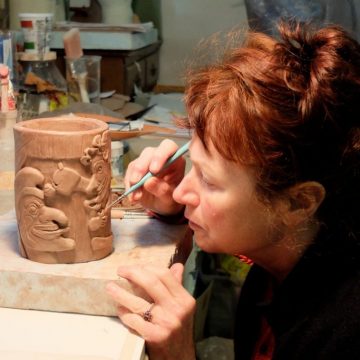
{"points": [[147, 316]]}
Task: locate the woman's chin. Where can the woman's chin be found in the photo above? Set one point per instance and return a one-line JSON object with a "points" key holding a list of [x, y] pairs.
{"points": [[203, 243]]}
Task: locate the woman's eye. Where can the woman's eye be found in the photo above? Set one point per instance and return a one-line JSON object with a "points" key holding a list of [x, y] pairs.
{"points": [[205, 181], [203, 178]]}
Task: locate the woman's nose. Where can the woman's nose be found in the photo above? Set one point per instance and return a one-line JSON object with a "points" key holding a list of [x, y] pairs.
{"points": [[186, 192]]}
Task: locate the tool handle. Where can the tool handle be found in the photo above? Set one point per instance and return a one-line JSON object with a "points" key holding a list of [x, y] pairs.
{"points": [[138, 184], [181, 151]]}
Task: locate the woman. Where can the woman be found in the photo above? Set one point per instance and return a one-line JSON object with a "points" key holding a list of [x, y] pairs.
{"points": [[275, 177]]}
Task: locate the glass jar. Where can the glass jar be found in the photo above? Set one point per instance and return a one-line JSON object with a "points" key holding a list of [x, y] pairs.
{"points": [[41, 85]]}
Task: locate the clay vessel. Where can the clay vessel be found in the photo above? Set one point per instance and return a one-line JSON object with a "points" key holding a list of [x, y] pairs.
{"points": [[62, 187]]}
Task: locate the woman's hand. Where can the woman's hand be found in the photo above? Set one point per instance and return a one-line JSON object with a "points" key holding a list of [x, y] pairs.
{"points": [[156, 194], [168, 331]]}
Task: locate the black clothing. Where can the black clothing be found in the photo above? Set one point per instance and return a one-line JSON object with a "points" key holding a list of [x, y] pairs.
{"points": [[315, 312]]}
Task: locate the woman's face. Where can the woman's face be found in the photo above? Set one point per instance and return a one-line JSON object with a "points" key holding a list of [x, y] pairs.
{"points": [[222, 207]]}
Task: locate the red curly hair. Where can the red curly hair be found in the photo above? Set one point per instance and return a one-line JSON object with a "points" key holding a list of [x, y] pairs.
{"points": [[289, 108]]}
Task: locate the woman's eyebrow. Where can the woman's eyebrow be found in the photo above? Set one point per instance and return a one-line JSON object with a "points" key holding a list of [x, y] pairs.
{"points": [[196, 161]]}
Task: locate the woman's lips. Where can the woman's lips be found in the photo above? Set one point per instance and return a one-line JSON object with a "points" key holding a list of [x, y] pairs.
{"points": [[194, 226]]}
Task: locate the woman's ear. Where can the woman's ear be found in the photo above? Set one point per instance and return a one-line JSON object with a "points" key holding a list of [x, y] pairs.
{"points": [[303, 201]]}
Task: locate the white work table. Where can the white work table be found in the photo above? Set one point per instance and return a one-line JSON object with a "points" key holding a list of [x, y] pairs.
{"points": [[45, 335]]}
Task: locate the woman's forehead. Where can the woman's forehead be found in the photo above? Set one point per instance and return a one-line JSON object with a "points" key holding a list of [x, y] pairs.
{"points": [[206, 157]]}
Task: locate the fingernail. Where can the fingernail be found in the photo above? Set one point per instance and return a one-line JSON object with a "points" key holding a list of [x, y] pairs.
{"points": [[155, 167], [135, 177]]}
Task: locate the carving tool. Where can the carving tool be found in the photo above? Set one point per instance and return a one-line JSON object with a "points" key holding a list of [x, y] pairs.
{"points": [[181, 151]]}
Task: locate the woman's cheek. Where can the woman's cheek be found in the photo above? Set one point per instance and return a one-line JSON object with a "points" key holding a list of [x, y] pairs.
{"points": [[212, 213]]}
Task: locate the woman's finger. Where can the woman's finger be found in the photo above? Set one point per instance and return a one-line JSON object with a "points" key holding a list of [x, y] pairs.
{"points": [[160, 284], [136, 170], [158, 188], [177, 270], [160, 155], [132, 302], [146, 280], [136, 322], [150, 159], [138, 167], [151, 332]]}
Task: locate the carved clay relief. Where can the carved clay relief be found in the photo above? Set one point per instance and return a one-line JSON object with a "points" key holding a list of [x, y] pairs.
{"points": [[66, 181], [42, 227], [57, 209]]}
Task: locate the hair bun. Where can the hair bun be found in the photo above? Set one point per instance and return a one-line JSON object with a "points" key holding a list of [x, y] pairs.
{"points": [[323, 69], [297, 42]]}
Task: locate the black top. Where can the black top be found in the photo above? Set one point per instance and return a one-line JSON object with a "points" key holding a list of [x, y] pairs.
{"points": [[315, 312]]}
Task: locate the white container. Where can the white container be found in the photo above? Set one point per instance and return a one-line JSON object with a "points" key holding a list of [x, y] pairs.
{"points": [[117, 154], [36, 28], [17, 7], [116, 12]]}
